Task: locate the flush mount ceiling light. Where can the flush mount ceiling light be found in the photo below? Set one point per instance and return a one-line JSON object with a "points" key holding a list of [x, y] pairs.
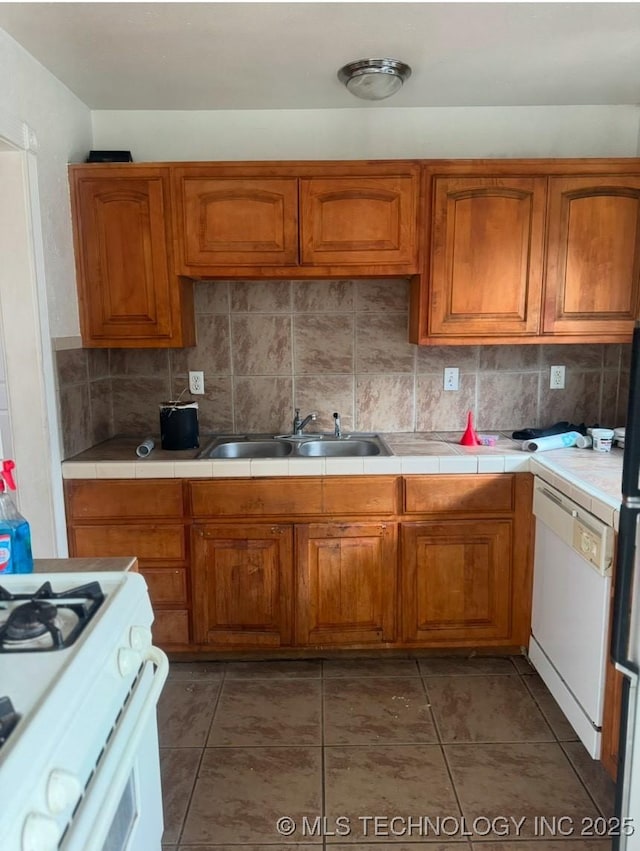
{"points": [[374, 79]]}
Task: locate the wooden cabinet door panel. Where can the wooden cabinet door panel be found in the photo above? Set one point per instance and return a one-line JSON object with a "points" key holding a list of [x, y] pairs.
{"points": [[456, 581], [346, 583], [123, 499], [170, 627], [593, 255], [166, 584], [458, 494], [237, 222], [242, 578], [359, 220], [126, 287], [161, 542], [486, 256], [256, 497]]}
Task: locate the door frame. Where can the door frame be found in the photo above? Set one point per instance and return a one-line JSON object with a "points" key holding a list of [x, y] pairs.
{"points": [[26, 340]]}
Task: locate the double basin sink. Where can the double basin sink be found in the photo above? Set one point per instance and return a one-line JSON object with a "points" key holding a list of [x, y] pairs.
{"points": [[295, 446]]}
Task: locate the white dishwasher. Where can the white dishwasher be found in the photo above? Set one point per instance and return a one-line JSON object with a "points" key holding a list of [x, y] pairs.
{"points": [[571, 600]]}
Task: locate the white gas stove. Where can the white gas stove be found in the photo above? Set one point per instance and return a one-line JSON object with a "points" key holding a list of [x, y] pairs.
{"points": [[79, 683]]}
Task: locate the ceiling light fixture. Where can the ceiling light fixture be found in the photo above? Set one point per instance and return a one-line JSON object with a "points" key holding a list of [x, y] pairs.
{"points": [[374, 79]]}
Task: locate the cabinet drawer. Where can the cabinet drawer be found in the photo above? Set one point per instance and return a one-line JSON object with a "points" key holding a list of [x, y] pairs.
{"points": [[145, 542], [93, 500], [364, 495], [458, 494], [256, 498], [170, 627], [166, 584]]}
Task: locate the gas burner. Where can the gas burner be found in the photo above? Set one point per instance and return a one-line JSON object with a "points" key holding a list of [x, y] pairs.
{"points": [[30, 620], [34, 624]]}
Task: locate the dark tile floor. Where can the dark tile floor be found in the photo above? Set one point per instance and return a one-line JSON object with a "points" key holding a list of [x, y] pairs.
{"points": [[453, 752]]}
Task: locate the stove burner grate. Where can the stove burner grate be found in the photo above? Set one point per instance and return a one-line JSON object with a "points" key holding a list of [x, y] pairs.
{"points": [[35, 616]]}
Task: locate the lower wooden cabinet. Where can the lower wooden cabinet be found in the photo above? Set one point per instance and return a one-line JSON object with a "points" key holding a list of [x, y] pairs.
{"points": [[346, 579], [433, 561], [457, 581], [242, 581]]}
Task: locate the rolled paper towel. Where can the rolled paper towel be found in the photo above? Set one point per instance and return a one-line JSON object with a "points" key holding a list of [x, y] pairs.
{"points": [[555, 441], [145, 447]]}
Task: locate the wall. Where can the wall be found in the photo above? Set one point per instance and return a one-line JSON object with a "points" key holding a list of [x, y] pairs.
{"points": [[268, 347], [361, 133], [62, 124]]}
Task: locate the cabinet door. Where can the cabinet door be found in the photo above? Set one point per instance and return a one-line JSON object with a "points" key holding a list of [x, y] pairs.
{"points": [[346, 583], [127, 291], [237, 222], [242, 579], [485, 275], [456, 581], [593, 256], [368, 221]]}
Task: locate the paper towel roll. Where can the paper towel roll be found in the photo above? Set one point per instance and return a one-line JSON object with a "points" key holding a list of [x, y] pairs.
{"points": [[554, 441]]}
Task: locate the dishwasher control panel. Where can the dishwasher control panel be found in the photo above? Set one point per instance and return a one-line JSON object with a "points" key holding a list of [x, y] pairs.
{"points": [[588, 543]]}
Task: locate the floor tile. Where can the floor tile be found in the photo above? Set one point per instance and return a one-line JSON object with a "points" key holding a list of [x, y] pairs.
{"points": [[599, 785], [241, 792], [403, 846], [178, 767], [307, 668], [248, 847], [556, 718], [185, 710], [545, 845], [485, 709], [392, 780], [370, 710], [210, 671], [370, 668], [522, 665], [519, 781], [455, 665], [268, 712]]}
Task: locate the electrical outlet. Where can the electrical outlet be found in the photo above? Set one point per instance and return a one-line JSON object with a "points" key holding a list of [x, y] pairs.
{"points": [[556, 379], [451, 378], [196, 383]]}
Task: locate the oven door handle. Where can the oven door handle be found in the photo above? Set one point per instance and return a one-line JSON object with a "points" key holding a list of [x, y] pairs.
{"points": [[114, 766]]}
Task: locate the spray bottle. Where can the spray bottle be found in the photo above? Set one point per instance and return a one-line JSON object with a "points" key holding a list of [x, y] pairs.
{"points": [[15, 536]]}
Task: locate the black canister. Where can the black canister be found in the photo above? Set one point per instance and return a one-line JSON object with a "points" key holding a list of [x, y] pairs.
{"points": [[179, 425]]}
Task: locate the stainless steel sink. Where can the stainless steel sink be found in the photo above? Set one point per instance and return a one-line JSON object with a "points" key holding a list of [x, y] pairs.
{"points": [[294, 446], [250, 449], [340, 448]]}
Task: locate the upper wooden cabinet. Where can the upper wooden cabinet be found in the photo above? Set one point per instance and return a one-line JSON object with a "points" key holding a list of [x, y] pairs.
{"points": [[593, 255], [303, 219], [522, 251], [358, 220], [227, 222], [128, 292], [487, 255]]}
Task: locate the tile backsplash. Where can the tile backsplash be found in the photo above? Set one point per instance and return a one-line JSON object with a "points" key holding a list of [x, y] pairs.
{"points": [[267, 347]]}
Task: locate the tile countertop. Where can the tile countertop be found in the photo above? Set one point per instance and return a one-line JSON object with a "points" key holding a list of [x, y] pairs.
{"points": [[592, 479]]}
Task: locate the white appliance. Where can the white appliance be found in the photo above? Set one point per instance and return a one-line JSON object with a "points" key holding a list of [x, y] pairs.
{"points": [[79, 764], [570, 616]]}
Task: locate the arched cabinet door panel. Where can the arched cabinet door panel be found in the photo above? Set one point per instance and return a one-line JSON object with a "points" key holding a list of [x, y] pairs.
{"points": [[593, 255], [236, 221], [365, 221], [127, 290], [485, 275]]}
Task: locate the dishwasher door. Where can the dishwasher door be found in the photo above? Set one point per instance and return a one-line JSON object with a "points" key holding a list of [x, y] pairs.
{"points": [[570, 616]]}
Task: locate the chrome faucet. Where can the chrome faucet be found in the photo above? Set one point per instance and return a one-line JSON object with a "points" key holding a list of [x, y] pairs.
{"points": [[298, 424], [337, 426]]}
